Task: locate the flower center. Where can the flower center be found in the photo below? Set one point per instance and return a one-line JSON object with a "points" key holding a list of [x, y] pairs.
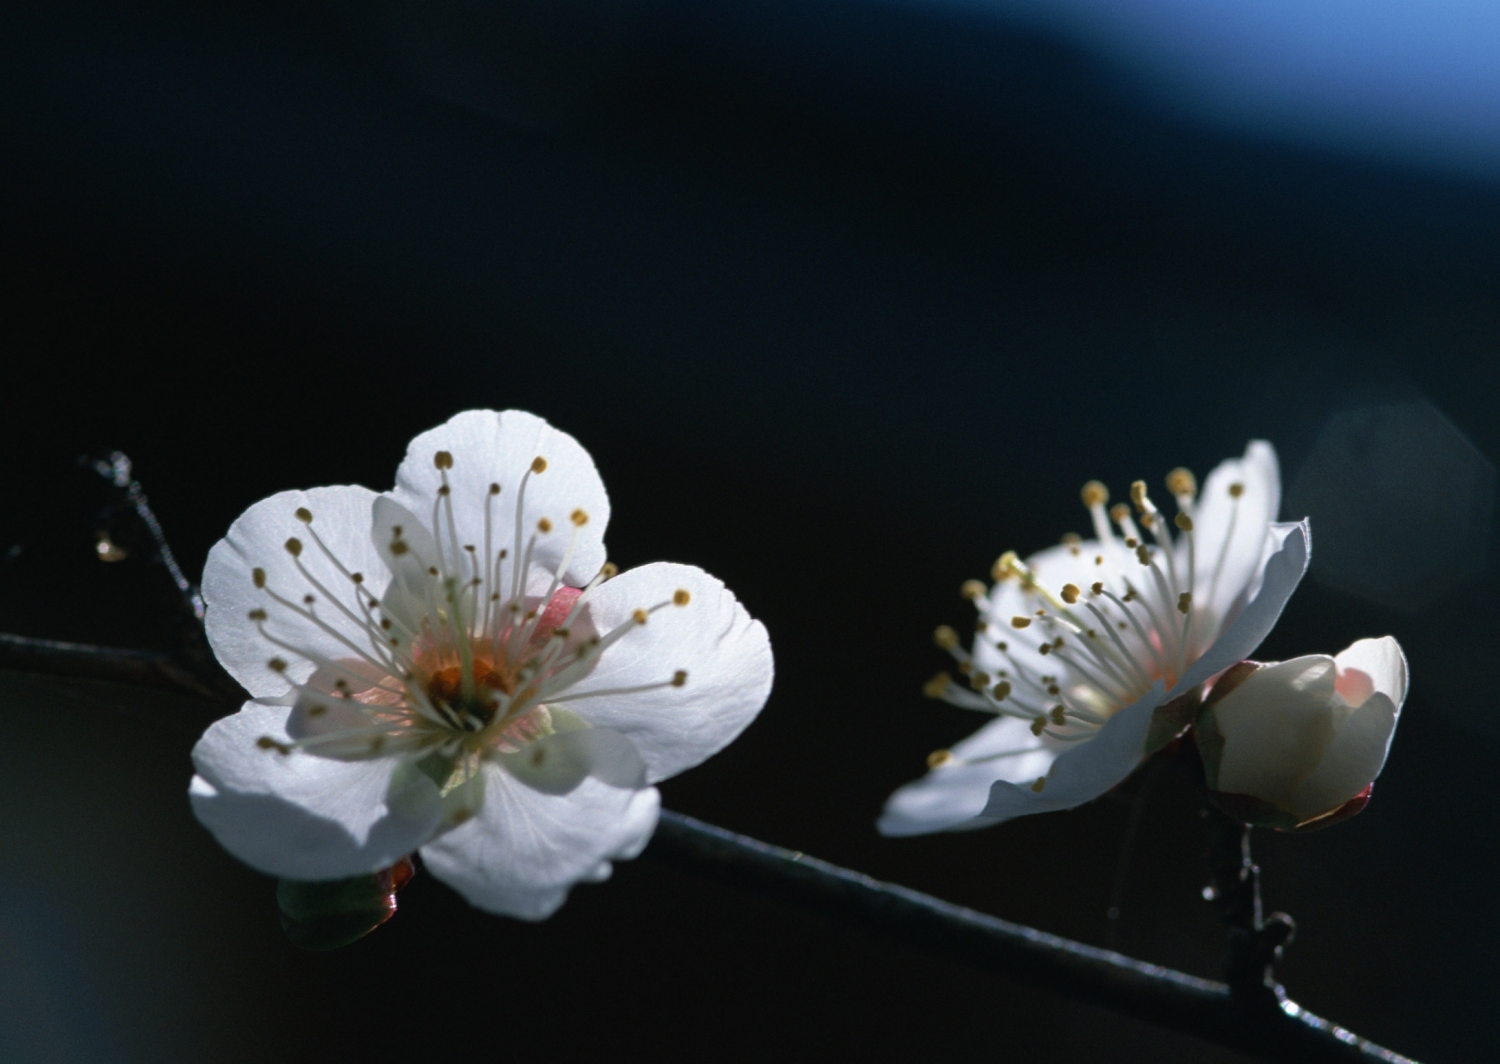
{"points": [[1114, 615], [457, 654]]}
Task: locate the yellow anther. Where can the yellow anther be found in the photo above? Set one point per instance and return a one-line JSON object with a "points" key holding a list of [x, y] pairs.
{"points": [[1184, 522], [544, 526], [979, 681], [1070, 593], [265, 742], [1005, 566], [937, 687], [443, 460], [945, 637], [399, 547], [579, 518], [276, 665], [1094, 494], [965, 667], [1073, 541], [1097, 587], [679, 678], [494, 489], [539, 464], [681, 598], [1132, 542], [1181, 482], [304, 515], [1119, 513], [1036, 788], [1184, 602], [1059, 715], [257, 615], [1039, 725], [609, 570], [316, 711], [1236, 490], [1020, 622], [1143, 554], [1001, 691], [1148, 519], [1045, 648], [981, 624], [973, 590], [294, 546], [939, 758], [640, 616]]}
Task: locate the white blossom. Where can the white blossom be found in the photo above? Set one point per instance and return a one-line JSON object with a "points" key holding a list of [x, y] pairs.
{"points": [[453, 667], [1297, 744], [1091, 655]]}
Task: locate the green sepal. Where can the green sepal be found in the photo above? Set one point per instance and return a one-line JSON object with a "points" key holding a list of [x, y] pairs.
{"points": [[1171, 720], [329, 914]]}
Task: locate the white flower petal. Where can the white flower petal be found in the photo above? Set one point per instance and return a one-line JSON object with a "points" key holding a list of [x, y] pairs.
{"points": [[1230, 531], [1373, 665], [341, 517], [499, 448], [1283, 572], [1352, 760], [1358, 752], [952, 795], [525, 849], [298, 815], [1086, 771], [726, 654], [555, 764], [1276, 726]]}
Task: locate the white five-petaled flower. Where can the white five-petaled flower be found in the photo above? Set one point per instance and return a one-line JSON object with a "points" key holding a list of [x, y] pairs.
{"points": [[1296, 745], [452, 666], [1092, 655]]}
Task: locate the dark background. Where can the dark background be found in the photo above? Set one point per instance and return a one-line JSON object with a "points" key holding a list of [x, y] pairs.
{"points": [[844, 299]]}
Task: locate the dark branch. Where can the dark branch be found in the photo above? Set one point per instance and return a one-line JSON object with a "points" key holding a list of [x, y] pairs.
{"points": [[142, 668], [1275, 1029], [1266, 1024]]}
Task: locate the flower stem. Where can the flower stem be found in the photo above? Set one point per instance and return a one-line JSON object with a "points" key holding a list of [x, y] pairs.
{"points": [[1255, 940]]}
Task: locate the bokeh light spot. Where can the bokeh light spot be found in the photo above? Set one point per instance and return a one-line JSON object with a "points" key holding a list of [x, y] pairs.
{"points": [[1401, 504]]}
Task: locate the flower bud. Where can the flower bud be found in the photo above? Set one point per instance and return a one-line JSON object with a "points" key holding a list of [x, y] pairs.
{"points": [[1296, 745]]}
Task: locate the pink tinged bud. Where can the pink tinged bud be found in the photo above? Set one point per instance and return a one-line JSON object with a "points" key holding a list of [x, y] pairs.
{"points": [[1296, 745]]}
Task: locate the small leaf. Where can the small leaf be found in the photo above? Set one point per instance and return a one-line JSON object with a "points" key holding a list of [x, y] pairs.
{"points": [[333, 913]]}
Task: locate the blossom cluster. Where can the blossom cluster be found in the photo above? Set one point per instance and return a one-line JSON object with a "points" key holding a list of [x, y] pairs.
{"points": [[1093, 655], [454, 669]]}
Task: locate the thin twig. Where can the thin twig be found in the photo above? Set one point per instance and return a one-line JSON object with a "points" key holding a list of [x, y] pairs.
{"points": [[119, 471], [1127, 844], [1268, 1025]]}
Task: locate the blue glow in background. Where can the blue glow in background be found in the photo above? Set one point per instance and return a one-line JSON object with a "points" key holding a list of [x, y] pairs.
{"points": [[1396, 80]]}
